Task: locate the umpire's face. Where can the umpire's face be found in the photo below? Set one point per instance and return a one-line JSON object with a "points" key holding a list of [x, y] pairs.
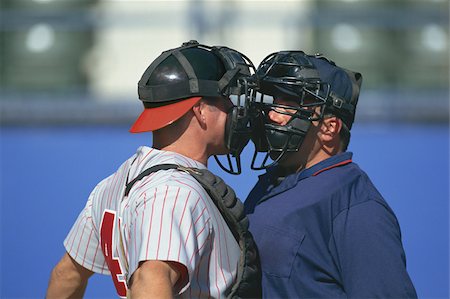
{"points": [[281, 115]]}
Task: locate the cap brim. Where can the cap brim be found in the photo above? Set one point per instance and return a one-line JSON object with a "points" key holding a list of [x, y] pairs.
{"points": [[152, 119]]}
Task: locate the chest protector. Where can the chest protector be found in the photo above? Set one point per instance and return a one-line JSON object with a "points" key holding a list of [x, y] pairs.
{"points": [[248, 282]]}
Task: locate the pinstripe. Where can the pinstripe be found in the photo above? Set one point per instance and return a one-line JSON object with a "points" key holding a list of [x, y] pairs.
{"points": [[87, 246], [135, 238], [103, 267], [186, 161], [208, 281], [129, 236], [144, 182], [121, 233], [219, 257], [198, 218], [151, 222], [71, 234], [171, 224], [111, 189], [143, 212], [201, 246], [216, 270], [103, 198], [95, 255], [79, 244], [76, 233], [161, 223], [199, 269], [190, 226], [82, 235], [179, 223], [145, 157], [125, 230], [206, 223]]}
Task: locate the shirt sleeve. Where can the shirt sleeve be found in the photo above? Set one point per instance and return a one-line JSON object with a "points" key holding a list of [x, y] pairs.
{"points": [[370, 253], [82, 242], [171, 223]]}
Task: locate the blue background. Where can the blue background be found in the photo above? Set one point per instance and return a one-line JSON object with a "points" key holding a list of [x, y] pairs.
{"points": [[47, 174]]}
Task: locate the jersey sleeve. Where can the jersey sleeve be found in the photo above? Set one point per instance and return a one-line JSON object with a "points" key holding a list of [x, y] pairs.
{"points": [[370, 253], [82, 242], [171, 223]]}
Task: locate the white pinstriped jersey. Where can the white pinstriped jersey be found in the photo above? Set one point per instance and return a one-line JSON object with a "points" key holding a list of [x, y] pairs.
{"points": [[167, 216]]}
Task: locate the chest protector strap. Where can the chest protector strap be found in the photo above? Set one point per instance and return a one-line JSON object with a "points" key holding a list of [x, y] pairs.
{"points": [[248, 282]]}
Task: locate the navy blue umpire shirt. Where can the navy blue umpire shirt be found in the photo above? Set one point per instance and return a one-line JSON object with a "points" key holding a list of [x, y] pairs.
{"points": [[326, 232]]}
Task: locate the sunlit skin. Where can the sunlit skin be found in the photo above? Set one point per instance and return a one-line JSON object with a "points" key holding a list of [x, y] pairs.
{"points": [[204, 123]]}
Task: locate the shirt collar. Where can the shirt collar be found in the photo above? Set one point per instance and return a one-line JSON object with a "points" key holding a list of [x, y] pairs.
{"points": [[327, 164], [291, 181], [147, 157]]}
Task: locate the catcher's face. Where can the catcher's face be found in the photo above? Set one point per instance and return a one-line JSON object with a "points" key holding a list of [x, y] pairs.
{"points": [[215, 120]]}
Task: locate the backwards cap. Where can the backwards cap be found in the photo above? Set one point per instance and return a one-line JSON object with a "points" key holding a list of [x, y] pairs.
{"points": [[345, 86]]}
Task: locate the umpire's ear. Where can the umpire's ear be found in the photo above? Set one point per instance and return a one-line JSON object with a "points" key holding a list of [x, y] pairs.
{"points": [[329, 129]]}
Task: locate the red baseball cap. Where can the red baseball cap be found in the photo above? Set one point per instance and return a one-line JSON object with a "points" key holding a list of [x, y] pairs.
{"points": [[152, 119]]}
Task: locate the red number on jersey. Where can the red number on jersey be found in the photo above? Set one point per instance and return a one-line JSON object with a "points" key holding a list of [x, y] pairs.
{"points": [[106, 240]]}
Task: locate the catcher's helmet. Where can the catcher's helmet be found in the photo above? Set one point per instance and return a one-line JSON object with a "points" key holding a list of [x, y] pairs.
{"points": [[180, 77]]}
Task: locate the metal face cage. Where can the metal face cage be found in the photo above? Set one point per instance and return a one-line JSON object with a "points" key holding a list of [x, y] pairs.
{"points": [[286, 83], [237, 130]]}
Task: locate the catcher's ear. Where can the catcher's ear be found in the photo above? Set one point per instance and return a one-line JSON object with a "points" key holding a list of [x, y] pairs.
{"points": [[199, 112]]}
